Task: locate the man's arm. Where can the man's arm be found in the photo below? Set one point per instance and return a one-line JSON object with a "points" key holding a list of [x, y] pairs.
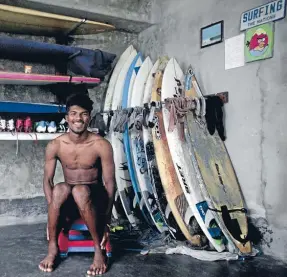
{"points": [[49, 169], [108, 171]]}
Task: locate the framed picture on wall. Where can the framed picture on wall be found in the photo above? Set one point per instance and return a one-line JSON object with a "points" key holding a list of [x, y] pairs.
{"points": [[259, 42], [211, 34]]}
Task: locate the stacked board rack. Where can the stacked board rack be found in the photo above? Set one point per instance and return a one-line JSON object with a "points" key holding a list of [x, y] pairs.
{"points": [[33, 22], [19, 78]]}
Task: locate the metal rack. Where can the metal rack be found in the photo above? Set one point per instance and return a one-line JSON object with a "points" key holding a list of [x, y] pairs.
{"points": [[224, 96]]}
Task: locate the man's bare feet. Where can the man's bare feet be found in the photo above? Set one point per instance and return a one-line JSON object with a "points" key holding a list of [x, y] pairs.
{"points": [[99, 266], [48, 263]]}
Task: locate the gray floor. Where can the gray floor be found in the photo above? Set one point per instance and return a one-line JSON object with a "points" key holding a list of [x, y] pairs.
{"points": [[22, 248]]}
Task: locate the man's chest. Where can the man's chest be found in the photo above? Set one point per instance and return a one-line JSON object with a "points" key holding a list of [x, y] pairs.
{"points": [[81, 155]]}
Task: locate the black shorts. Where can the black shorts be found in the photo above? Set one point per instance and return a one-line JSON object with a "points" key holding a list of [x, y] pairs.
{"points": [[99, 198]]}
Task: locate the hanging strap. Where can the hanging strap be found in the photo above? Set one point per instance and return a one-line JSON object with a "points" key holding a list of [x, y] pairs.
{"points": [[136, 119], [146, 113], [178, 108], [110, 116], [120, 119]]}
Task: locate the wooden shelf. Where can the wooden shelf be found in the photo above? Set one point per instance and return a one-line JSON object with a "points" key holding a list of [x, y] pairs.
{"points": [[28, 136]]}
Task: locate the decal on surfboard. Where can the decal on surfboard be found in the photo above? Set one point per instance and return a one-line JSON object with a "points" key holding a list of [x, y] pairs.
{"points": [[140, 153], [183, 179], [156, 128], [178, 89], [210, 223]]}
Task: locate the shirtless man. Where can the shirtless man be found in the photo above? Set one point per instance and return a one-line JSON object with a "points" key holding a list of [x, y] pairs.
{"points": [[82, 155]]}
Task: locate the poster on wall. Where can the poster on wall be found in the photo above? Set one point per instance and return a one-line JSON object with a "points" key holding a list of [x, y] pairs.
{"points": [[211, 34], [234, 52], [259, 42], [271, 11]]}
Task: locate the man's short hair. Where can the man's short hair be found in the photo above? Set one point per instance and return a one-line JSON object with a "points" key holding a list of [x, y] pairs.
{"points": [[81, 100]]}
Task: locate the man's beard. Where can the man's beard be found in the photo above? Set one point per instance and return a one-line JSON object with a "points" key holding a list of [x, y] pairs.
{"points": [[78, 132]]}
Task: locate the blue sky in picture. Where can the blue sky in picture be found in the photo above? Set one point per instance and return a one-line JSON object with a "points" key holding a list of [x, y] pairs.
{"points": [[212, 33]]}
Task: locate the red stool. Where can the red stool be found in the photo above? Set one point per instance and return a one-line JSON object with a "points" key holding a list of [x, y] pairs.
{"points": [[77, 240]]}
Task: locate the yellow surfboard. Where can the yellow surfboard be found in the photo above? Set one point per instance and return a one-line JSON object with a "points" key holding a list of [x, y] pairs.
{"points": [[173, 192], [26, 21], [222, 188]]}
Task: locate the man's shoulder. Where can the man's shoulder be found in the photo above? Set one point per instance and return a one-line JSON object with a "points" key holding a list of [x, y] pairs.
{"points": [[63, 137], [100, 141], [57, 141]]}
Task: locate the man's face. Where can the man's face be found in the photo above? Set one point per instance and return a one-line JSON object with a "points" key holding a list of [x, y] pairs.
{"points": [[78, 119]]}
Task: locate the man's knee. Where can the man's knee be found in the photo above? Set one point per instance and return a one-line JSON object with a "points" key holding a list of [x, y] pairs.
{"points": [[61, 192], [81, 194]]}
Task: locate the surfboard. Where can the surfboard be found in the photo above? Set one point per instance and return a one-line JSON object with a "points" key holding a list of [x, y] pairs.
{"points": [[25, 107], [172, 86], [122, 175], [112, 82], [173, 191], [127, 92], [157, 189], [27, 21], [220, 185], [108, 105], [19, 78], [138, 149]]}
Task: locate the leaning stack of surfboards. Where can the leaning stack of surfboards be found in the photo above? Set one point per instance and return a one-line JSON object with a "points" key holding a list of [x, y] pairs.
{"points": [[167, 181]]}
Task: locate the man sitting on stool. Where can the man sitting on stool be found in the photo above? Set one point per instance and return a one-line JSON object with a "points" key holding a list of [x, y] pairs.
{"points": [[83, 155]]}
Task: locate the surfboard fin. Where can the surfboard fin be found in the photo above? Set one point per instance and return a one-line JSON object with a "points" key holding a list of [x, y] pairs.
{"points": [[167, 211], [142, 203], [188, 215], [135, 202]]}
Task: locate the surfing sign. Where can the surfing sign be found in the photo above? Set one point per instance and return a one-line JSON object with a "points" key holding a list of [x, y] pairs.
{"points": [[269, 12]]}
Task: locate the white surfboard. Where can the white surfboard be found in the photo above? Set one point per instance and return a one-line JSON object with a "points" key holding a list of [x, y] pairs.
{"points": [[112, 83], [123, 181], [108, 103], [172, 86], [138, 150]]}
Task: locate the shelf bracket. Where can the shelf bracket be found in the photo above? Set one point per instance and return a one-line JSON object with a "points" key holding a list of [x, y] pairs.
{"points": [[224, 96], [75, 27]]}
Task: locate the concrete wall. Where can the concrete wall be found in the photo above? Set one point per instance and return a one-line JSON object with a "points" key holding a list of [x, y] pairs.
{"points": [[256, 113]]}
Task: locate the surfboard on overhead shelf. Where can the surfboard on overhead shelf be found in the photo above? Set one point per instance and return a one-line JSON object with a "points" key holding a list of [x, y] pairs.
{"points": [[172, 86], [123, 179], [27, 21], [19, 78], [220, 185], [25, 107]]}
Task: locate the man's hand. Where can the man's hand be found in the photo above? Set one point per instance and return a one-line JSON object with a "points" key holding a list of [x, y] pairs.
{"points": [[105, 238], [49, 169]]}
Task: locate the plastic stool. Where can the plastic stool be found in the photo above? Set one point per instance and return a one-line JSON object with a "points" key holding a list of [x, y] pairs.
{"points": [[78, 240]]}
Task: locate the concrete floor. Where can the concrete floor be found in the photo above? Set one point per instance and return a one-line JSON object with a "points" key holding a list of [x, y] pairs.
{"points": [[24, 246]]}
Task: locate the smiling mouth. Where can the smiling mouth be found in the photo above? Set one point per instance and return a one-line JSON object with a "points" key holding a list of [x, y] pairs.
{"points": [[78, 124]]}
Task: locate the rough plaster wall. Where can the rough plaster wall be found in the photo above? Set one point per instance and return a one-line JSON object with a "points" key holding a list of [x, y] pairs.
{"points": [[256, 114]]}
